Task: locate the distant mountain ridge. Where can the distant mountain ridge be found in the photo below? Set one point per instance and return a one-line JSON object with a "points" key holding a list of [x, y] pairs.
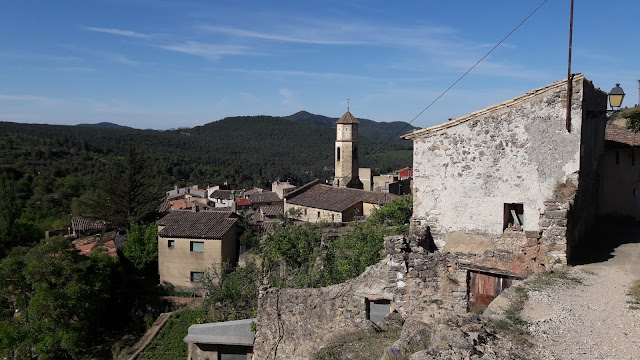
{"points": [[106, 125], [381, 131]]}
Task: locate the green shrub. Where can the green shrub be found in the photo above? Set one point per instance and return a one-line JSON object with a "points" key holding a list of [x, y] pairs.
{"points": [[169, 344]]}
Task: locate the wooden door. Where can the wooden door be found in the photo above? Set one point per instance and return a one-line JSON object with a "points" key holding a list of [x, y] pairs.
{"points": [[483, 288]]}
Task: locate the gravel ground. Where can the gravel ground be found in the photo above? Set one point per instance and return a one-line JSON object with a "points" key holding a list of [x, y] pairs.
{"points": [[591, 320]]}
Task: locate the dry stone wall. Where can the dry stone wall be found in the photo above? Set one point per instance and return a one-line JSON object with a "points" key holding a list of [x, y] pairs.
{"points": [[296, 323]]}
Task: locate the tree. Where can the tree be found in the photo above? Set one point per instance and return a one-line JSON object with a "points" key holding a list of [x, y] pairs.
{"points": [[141, 247], [125, 195], [62, 300], [10, 210], [634, 119], [231, 295]]}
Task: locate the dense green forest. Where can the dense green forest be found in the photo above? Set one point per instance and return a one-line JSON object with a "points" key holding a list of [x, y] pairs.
{"points": [[51, 164]]}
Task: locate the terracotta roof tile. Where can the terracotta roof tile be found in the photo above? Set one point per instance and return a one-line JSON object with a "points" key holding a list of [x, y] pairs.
{"points": [[321, 196], [87, 244], [272, 210], [243, 202], [347, 118], [253, 191], [203, 224], [80, 223], [622, 135], [265, 196]]}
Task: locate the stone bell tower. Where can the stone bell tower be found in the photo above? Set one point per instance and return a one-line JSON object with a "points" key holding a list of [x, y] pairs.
{"points": [[346, 154]]}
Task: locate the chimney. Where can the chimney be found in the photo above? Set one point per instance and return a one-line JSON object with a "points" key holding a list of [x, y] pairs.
{"points": [[195, 186], [175, 187], [194, 208]]}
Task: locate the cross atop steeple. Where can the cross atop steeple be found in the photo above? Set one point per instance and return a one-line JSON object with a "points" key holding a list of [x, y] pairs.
{"points": [[347, 104]]}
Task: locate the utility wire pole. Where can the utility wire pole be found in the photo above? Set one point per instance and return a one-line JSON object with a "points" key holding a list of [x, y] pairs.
{"points": [[568, 117]]}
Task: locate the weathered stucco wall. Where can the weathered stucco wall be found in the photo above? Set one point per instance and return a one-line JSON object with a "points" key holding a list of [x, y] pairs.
{"points": [[310, 214], [176, 264], [517, 152]]}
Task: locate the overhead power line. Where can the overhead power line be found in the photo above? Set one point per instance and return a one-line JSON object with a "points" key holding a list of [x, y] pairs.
{"points": [[460, 78], [465, 74]]}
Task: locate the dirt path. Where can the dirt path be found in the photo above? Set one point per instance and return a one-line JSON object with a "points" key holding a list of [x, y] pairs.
{"points": [[591, 320]]}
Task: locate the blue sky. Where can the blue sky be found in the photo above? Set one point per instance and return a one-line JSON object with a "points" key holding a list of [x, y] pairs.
{"points": [[164, 64]]}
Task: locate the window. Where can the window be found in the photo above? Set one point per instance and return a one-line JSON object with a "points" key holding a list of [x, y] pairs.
{"points": [[171, 244], [197, 246], [196, 276], [377, 309], [338, 154], [318, 214], [513, 216]]}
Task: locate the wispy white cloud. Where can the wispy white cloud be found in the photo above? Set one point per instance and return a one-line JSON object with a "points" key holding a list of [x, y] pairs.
{"points": [[102, 54], [277, 37], [307, 74], [28, 98], [119, 58], [288, 98], [120, 32], [208, 50]]}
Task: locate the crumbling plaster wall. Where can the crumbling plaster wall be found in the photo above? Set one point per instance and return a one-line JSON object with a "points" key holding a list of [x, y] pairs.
{"points": [[516, 153]]}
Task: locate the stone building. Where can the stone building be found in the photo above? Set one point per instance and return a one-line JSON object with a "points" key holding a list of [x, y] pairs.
{"points": [[346, 155], [620, 185], [282, 188], [509, 188], [421, 286], [191, 242], [316, 202]]}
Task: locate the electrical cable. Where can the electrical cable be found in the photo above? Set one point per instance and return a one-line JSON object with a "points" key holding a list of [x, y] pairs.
{"points": [[459, 79]]}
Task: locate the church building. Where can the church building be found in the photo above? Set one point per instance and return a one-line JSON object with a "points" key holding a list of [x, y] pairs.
{"points": [[346, 156]]}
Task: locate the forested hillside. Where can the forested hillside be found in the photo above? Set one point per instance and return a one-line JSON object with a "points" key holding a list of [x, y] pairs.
{"points": [[381, 131], [52, 164]]}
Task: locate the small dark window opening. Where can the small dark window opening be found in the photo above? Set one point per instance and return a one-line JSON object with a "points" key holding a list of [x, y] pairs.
{"points": [[171, 244], [196, 276], [377, 309], [338, 154], [617, 158], [318, 214], [197, 246], [513, 216]]}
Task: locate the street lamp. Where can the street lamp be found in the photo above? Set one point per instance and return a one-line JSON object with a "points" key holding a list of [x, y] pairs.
{"points": [[615, 101], [615, 97]]}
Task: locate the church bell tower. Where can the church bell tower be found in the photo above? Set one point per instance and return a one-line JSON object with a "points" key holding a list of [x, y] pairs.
{"points": [[346, 154]]}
